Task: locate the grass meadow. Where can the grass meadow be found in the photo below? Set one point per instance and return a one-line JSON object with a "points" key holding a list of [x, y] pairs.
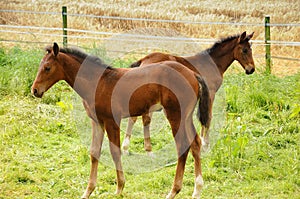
{"points": [[255, 134], [44, 149]]}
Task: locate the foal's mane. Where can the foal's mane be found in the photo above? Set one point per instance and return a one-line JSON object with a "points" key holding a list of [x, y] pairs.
{"points": [[221, 42], [81, 56]]}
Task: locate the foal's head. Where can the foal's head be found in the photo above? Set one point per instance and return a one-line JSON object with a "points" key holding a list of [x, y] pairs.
{"points": [[243, 52], [50, 72]]}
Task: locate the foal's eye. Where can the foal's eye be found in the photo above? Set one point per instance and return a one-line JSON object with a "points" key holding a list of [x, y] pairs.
{"points": [[245, 51], [47, 68]]}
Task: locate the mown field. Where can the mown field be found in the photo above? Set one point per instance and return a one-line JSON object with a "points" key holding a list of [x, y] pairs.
{"points": [[250, 12], [44, 150]]}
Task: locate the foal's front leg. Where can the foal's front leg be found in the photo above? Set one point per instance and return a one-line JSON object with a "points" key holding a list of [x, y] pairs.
{"points": [[196, 151], [204, 136], [113, 133], [95, 151]]}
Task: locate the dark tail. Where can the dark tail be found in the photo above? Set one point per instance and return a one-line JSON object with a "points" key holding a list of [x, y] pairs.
{"points": [[136, 64], [205, 106]]}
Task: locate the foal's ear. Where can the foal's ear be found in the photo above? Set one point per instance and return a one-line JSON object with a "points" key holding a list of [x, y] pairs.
{"points": [[250, 36], [55, 49], [242, 37]]}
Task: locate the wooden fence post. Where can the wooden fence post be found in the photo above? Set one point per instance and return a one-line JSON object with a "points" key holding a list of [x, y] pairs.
{"points": [[268, 44], [65, 26]]}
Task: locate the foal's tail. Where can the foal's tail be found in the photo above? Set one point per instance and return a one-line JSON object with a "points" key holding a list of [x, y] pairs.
{"points": [[136, 64], [205, 106]]}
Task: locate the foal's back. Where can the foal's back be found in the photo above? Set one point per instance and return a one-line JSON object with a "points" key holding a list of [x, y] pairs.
{"points": [[166, 83]]}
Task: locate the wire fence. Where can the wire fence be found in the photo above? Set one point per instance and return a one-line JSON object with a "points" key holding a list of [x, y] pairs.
{"points": [[78, 36], [13, 29]]}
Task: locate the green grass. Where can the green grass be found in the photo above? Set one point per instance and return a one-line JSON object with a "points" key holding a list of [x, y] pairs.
{"points": [[44, 142]]}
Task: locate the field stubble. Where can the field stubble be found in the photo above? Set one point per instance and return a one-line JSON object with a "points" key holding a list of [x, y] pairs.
{"points": [[211, 11]]}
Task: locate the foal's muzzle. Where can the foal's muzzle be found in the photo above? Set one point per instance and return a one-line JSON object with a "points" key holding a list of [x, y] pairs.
{"points": [[250, 71], [36, 93]]}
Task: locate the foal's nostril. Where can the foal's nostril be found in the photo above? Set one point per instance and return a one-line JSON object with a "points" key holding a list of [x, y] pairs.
{"points": [[37, 93], [248, 72]]}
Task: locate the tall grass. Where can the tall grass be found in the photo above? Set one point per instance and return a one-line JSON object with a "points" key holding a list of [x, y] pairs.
{"points": [[259, 106], [17, 70]]}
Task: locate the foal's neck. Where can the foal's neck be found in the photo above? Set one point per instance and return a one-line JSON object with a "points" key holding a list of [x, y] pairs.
{"points": [[71, 67], [81, 75], [223, 56]]}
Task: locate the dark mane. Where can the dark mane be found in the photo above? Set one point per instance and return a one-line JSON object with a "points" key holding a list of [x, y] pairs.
{"points": [[219, 43], [80, 55], [74, 52]]}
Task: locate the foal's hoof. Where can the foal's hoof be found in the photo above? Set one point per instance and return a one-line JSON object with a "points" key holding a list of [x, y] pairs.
{"points": [[84, 196], [205, 148], [125, 152], [119, 190], [150, 154], [204, 145], [171, 195]]}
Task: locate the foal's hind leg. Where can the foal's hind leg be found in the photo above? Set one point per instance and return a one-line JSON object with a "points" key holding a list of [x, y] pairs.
{"points": [[126, 142], [147, 139], [196, 151], [182, 146], [97, 139]]}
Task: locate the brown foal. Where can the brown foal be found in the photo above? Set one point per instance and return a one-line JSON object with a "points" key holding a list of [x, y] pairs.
{"points": [[110, 94], [211, 64]]}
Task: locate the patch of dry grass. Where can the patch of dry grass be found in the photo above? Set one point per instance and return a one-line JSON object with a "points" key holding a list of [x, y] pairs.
{"points": [[213, 11]]}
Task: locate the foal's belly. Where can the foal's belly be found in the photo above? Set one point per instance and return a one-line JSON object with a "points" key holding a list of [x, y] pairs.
{"points": [[138, 111], [138, 100]]}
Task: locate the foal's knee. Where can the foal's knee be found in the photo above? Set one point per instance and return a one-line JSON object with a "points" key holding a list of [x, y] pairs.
{"points": [[94, 155], [146, 120]]}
